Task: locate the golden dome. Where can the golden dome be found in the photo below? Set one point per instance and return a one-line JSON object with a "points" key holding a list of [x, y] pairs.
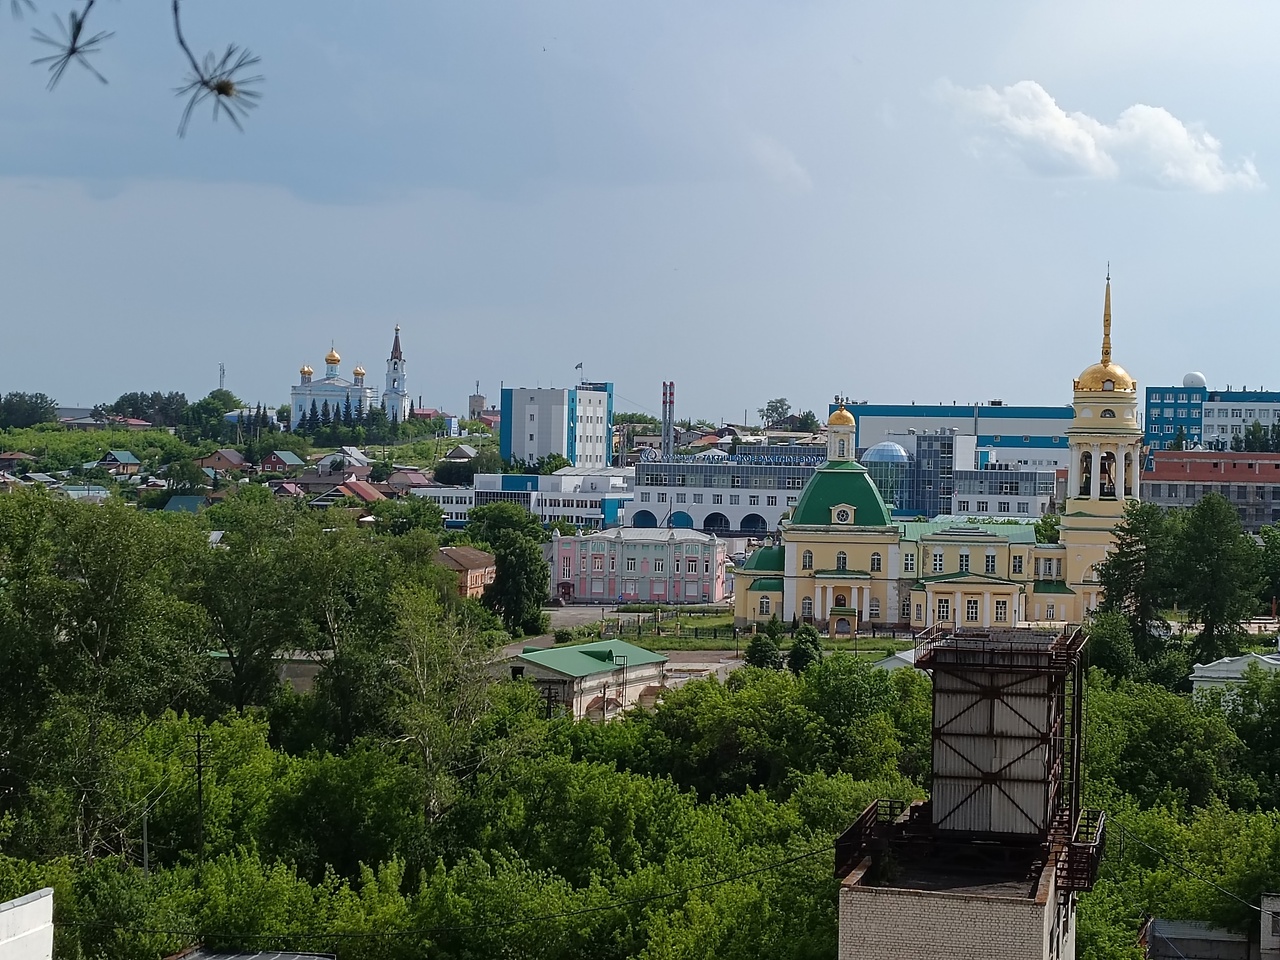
{"points": [[333, 356], [358, 371], [841, 418], [1097, 376], [1106, 376], [306, 371]]}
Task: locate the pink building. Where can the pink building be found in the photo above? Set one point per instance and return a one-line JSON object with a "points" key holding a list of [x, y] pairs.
{"points": [[633, 564]]}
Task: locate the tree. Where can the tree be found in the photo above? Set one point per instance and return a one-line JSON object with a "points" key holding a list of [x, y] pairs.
{"points": [[1217, 573], [400, 516], [1257, 439], [381, 471], [775, 410], [637, 419], [19, 410], [326, 416], [1111, 644], [489, 523], [313, 417], [1137, 575], [809, 422], [521, 583], [1047, 528], [806, 649], [1179, 440], [1237, 443], [763, 652]]}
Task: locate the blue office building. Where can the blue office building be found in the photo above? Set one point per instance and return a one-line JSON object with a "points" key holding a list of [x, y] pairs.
{"points": [[574, 422], [1169, 408]]}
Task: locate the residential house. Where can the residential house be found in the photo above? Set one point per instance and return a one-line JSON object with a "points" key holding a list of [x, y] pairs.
{"points": [[9, 462], [88, 493], [461, 453], [224, 460], [281, 461], [1231, 670], [476, 569], [184, 503], [106, 423], [357, 489], [120, 463], [404, 479], [593, 680], [344, 460]]}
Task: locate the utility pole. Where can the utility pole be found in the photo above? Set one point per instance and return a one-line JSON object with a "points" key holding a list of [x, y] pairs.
{"points": [[200, 798], [222, 376]]}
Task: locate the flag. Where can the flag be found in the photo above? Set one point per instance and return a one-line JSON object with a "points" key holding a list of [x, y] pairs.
{"points": [[578, 367]]}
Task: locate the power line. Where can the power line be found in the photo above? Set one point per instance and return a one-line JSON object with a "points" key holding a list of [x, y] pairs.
{"points": [[458, 928]]}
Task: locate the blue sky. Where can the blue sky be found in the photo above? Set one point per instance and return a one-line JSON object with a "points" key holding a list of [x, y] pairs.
{"points": [[895, 202]]}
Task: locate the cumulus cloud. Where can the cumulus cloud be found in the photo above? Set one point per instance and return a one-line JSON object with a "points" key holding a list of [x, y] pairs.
{"points": [[1146, 144], [780, 163]]}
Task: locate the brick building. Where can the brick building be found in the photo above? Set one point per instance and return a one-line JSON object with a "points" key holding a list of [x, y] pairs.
{"points": [[1249, 481], [476, 569]]}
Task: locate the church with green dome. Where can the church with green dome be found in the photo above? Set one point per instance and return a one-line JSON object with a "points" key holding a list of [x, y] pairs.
{"points": [[841, 562]]}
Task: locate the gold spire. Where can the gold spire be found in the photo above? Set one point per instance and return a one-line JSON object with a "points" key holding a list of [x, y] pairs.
{"points": [[1106, 322]]}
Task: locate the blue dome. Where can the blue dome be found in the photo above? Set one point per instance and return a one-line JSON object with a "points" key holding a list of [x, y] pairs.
{"points": [[886, 451]]}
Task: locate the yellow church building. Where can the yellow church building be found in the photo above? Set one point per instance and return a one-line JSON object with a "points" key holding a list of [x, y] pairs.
{"points": [[840, 561]]}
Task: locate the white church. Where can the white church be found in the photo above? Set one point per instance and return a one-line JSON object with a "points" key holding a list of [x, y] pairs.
{"points": [[336, 389]]}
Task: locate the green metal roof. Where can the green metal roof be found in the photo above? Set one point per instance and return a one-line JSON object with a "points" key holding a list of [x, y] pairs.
{"points": [[766, 558], [845, 574], [842, 481], [123, 456], [763, 584], [1014, 532], [1051, 586], [289, 457], [585, 659]]}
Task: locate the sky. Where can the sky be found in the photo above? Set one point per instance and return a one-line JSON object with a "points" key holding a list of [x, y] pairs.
{"points": [[893, 202]]}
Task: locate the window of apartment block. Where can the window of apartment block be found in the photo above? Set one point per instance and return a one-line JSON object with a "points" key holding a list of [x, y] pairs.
{"points": [[597, 564], [733, 499], [697, 498], [753, 500], [771, 501], [690, 564], [962, 506], [1002, 507], [631, 564], [659, 564], [613, 564], [984, 506], [566, 568], [680, 498], [1024, 506]]}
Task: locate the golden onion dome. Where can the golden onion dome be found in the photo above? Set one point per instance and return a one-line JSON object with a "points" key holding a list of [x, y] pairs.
{"points": [[1106, 376], [840, 418], [306, 371], [333, 356], [358, 371]]}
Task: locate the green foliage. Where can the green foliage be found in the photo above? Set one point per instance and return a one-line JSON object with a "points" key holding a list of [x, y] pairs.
{"points": [[806, 648], [1047, 528], [521, 583], [774, 410], [20, 410], [763, 653]]}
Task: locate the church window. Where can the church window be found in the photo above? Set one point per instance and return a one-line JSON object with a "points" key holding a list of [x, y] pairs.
{"points": [[841, 450], [875, 562], [873, 608], [971, 611], [764, 606], [806, 560], [1049, 612], [806, 607], [990, 566], [1002, 611], [964, 561], [917, 616], [842, 561], [1106, 385], [937, 561], [908, 563], [904, 611], [1108, 414], [841, 601]]}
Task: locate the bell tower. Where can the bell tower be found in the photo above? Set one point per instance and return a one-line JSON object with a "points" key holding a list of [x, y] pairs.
{"points": [[395, 397], [842, 434], [1105, 468]]}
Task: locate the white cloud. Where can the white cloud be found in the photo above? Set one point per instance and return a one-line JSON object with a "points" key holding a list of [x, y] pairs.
{"points": [[780, 163], [1145, 145]]}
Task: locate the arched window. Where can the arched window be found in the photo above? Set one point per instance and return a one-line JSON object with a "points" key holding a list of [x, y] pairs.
{"points": [[841, 450], [806, 560], [764, 606], [806, 607], [875, 562], [842, 561], [1108, 414], [873, 608], [840, 601], [1086, 473]]}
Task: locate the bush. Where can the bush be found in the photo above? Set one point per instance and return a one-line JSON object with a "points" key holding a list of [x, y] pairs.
{"points": [[564, 636]]}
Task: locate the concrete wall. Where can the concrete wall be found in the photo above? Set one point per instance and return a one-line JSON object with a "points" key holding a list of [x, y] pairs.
{"points": [[26, 927]]}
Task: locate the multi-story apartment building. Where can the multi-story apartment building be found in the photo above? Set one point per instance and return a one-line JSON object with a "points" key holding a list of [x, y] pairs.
{"points": [[454, 502], [1198, 416], [574, 422], [738, 495], [1004, 490], [1249, 481], [1168, 408]]}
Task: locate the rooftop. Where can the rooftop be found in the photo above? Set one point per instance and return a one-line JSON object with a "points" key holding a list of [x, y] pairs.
{"points": [[586, 659]]}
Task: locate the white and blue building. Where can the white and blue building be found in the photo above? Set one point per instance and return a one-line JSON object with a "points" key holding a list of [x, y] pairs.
{"points": [[574, 422], [1034, 436], [1170, 408]]}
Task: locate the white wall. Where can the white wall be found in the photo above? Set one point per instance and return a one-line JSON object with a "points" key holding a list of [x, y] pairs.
{"points": [[26, 927]]}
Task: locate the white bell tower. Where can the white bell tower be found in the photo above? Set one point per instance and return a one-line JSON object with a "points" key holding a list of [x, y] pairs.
{"points": [[395, 397]]}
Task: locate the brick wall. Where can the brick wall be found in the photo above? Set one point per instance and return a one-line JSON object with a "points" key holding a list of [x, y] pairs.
{"points": [[883, 923]]}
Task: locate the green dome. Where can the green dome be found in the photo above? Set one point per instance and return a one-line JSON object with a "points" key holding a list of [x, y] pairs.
{"points": [[843, 481]]}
